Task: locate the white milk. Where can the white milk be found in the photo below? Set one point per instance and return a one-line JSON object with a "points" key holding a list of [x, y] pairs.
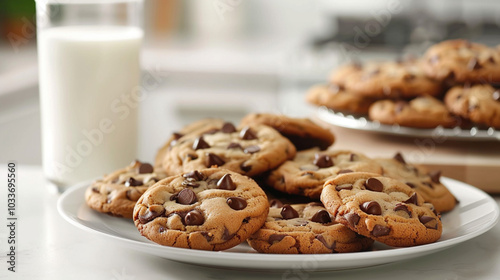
{"points": [[89, 78]]}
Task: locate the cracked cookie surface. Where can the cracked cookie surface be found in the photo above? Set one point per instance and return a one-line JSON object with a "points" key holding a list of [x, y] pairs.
{"points": [[210, 209], [381, 208], [249, 150], [117, 193], [309, 170], [305, 229]]}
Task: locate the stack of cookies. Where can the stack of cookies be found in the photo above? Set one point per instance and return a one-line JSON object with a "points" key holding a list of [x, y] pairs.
{"points": [[277, 183], [452, 84]]}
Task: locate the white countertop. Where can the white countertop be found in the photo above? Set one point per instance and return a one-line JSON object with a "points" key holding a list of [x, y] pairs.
{"points": [[48, 247]]}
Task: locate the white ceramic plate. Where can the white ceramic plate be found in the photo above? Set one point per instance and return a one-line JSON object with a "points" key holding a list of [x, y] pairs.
{"points": [[476, 213], [359, 122]]}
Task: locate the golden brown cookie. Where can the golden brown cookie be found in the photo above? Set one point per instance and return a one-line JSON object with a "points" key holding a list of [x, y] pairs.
{"points": [[248, 150], [335, 97], [478, 103], [392, 80], [303, 133], [461, 61], [305, 229], [381, 208], [421, 112], [210, 209], [117, 193], [339, 75], [308, 171], [426, 184]]}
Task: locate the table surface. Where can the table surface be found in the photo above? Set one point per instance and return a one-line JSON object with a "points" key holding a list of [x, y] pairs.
{"points": [[48, 247]]}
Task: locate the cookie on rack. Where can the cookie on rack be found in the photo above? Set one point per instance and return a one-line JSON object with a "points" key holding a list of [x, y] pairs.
{"points": [[381, 208], [335, 97], [249, 150], [427, 184], [305, 229], [306, 174], [200, 126], [421, 112], [461, 61], [394, 80], [478, 103], [302, 132], [117, 193], [210, 209]]}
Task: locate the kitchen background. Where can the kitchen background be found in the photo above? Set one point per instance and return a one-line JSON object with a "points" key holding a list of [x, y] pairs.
{"points": [[225, 58]]}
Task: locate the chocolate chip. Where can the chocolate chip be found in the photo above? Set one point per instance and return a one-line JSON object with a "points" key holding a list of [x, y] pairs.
{"points": [[379, 230], [273, 238], [435, 175], [247, 134], [343, 171], [473, 64], [353, 157], [321, 217], [233, 145], [161, 229], [411, 185], [236, 203], [399, 157], [151, 214], [402, 207], [194, 218], [425, 220], [95, 189], [192, 156], [322, 239], [145, 168], [371, 207], [190, 183], [186, 197], [226, 183], [195, 175], [413, 199], [352, 219], [343, 187], [213, 159], [131, 182], [228, 128], [208, 236], [245, 168], [274, 203], [287, 212], [251, 149], [496, 95], [374, 184], [322, 161], [226, 236], [200, 143]]}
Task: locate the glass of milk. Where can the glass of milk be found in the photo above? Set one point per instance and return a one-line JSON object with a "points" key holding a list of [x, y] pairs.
{"points": [[88, 52]]}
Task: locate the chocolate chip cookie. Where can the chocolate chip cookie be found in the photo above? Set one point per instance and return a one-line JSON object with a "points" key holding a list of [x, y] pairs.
{"points": [[249, 150], [337, 98], [117, 193], [210, 209], [426, 184], [478, 103], [421, 112], [381, 208], [392, 80], [200, 126], [339, 75], [303, 133], [309, 170], [305, 229], [461, 61]]}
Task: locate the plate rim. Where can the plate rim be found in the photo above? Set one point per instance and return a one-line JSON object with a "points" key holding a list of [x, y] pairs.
{"points": [[414, 251]]}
